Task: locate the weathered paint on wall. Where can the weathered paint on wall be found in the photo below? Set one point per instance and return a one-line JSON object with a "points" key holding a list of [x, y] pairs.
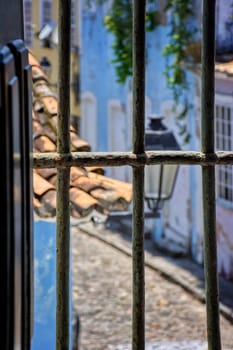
{"points": [[225, 241], [182, 215], [98, 77]]}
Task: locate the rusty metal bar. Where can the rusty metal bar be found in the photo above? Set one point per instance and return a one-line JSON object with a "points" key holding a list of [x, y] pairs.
{"points": [[63, 178], [208, 177], [55, 160], [138, 304]]}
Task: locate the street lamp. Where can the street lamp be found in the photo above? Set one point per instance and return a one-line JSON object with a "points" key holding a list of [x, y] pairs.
{"points": [[159, 179]]}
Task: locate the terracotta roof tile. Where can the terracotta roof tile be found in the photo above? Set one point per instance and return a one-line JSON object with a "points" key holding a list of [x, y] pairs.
{"points": [[33, 61], [49, 201], [86, 184], [50, 104], [79, 144], [123, 189], [44, 144], [90, 189], [42, 89], [226, 68], [37, 72], [75, 173], [37, 128], [74, 213], [47, 173], [95, 169], [41, 185], [83, 202], [53, 180], [36, 203], [109, 199]]}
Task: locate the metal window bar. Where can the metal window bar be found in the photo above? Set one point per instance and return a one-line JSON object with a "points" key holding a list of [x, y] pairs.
{"points": [[63, 178], [207, 158]]}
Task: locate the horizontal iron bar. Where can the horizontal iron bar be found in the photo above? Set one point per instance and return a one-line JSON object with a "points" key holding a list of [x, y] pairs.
{"points": [[56, 160], [115, 215]]}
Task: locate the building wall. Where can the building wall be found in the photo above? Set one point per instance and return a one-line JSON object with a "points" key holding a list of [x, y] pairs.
{"points": [[52, 53], [224, 25], [98, 77], [224, 208], [44, 327], [182, 219]]}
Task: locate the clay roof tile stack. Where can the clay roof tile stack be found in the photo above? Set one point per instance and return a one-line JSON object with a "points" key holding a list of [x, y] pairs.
{"points": [[89, 188]]}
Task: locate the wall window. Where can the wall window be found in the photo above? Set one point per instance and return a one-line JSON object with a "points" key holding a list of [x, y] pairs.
{"points": [[117, 137], [224, 173], [28, 29], [88, 120], [45, 12], [73, 25]]}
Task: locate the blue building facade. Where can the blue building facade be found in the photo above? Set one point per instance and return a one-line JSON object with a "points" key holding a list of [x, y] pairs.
{"points": [[106, 117], [111, 115]]}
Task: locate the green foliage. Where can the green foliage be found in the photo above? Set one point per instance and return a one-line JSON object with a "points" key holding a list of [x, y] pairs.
{"points": [[180, 37], [119, 22]]}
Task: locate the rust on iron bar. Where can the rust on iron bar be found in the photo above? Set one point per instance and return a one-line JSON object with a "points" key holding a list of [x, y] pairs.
{"points": [[56, 160]]}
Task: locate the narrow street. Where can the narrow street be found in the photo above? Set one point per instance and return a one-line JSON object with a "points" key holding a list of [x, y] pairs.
{"points": [[102, 296]]}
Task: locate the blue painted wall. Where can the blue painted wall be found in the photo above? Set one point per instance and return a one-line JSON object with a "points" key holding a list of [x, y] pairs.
{"points": [[98, 77], [44, 335], [182, 215], [97, 74]]}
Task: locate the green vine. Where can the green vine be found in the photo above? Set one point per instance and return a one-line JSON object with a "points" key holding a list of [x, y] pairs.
{"points": [[118, 21], [180, 38]]}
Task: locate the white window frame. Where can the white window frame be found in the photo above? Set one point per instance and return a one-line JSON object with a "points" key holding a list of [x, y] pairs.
{"points": [[115, 106], [85, 122], [224, 142], [28, 19]]}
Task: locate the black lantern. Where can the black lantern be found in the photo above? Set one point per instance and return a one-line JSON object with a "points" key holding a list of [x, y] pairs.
{"points": [[159, 179], [46, 66]]}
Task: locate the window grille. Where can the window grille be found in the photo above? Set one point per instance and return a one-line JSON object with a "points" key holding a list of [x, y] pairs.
{"points": [[28, 30], [223, 113], [137, 159]]}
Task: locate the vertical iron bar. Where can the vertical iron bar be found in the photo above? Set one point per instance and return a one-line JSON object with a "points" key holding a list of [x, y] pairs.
{"points": [[63, 178], [208, 176], [138, 307]]}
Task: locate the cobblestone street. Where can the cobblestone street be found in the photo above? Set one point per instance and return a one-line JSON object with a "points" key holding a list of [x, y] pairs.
{"points": [[102, 296]]}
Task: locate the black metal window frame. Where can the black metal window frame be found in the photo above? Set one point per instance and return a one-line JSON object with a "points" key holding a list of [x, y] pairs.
{"points": [[207, 158]]}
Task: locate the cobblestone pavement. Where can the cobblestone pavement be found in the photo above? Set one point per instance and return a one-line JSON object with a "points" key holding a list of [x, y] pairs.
{"points": [[102, 296], [184, 345]]}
